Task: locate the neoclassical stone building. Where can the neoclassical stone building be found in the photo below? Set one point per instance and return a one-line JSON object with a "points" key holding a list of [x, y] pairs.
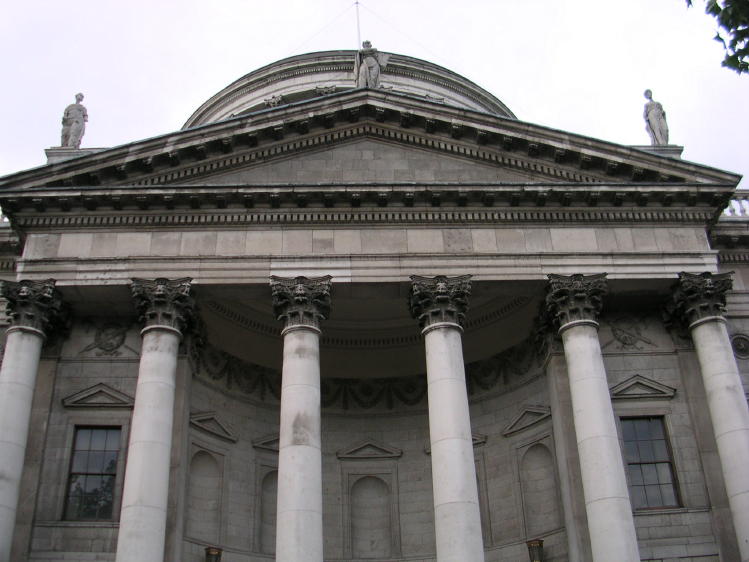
{"points": [[387, 322]]}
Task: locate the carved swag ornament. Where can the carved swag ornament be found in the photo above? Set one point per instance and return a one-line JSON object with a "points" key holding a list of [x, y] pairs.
{"points": [[697, 296], [165, 302], [439, 299], [301, 301], [34, 304], [572, 298]]}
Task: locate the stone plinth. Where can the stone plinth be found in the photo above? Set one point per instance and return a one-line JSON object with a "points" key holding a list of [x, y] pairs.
{"points": [[60, 153]]}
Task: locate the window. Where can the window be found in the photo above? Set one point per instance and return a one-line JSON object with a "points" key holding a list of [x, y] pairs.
{"points": [[649, 465], [93, 469]]}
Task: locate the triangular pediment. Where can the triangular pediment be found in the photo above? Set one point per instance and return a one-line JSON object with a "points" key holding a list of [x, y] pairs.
{"points": [[98, 396], [267, 443], [528, 416], [369, 449], [368, 159], [210, 423], [639, 387], [511, 148]]}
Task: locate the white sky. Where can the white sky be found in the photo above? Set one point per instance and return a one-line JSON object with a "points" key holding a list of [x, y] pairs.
{"points": [[576, 65]]}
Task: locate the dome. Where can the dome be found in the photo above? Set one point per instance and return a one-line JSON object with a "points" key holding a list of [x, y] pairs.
{"points": [[303, 77]]}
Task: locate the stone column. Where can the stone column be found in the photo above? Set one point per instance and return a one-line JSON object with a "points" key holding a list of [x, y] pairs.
{"points": [[300, 303], [35, 309], [572, 305], [167, 310], [439, 303], [699, 302]]}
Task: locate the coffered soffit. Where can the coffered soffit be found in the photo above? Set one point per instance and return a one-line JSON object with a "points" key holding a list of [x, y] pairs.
{"points": [[205, 151]]}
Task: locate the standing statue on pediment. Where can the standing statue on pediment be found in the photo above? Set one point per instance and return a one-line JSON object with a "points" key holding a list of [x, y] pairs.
{"points": [[369, 64], [655, 121], [74, 123]]}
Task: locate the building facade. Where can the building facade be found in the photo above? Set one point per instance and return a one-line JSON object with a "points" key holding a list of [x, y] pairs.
{"points": [[382, 320]]}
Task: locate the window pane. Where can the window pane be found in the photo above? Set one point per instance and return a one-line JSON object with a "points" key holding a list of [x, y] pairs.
{"points": [[76, 485], [635, 475], [95, 462], [80, 461], [113, 440], [653, 494], [83, 439], [668, 494], [74, 506], [656, 428], [628, 430], [637, 494], [660, 451], [646, 451], [664, 473], [98, 439], [109, 465], [642, 429], [649, 474], [630, 451]]}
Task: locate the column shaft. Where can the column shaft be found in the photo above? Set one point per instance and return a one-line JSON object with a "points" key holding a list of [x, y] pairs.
{"points": [[144, 498], [457, 518], [17, 380], [730, 416], [299, 534], [610, 521]]}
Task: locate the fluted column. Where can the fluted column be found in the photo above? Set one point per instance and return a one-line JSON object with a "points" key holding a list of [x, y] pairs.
{"points": [[439, 303], [300, 303], [35, 309], [167, 310], [573, 304], [699, 302]]}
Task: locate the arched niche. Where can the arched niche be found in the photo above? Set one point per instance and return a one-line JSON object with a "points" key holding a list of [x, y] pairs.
{"points": [[268, 497], [371, 518], [539, 489], [204, 498]]}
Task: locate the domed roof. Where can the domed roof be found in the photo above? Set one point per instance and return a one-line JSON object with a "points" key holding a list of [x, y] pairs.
{"points": [[303, 77]]}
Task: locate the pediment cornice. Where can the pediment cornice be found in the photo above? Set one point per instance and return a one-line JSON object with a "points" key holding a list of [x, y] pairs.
{"points": [[259, 137]]}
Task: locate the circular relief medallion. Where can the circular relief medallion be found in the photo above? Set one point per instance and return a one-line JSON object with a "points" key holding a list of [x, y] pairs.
{"points": [[740, 343]]}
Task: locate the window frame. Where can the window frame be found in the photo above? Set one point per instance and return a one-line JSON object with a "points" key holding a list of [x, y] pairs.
{"points": [[669, 448], [95, 420]]}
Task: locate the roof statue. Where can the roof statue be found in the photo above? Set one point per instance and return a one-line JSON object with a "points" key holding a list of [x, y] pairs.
{"points": [[655, 121], [369, 63], [74, 123]]}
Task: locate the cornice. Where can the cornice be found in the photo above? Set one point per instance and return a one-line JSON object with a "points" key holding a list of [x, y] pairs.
{"points": [[280, 132]]}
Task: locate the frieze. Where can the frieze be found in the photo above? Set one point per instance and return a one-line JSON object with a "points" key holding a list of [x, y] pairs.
{"points": [[109, 340], [628, 333], [500, 373]]}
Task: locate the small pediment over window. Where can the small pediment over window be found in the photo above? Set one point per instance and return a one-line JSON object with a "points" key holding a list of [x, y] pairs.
{"points": [[527, 417], [639, 387], [267, 443], [478, 439], [369, 449], [98, 396], [210, 423]]}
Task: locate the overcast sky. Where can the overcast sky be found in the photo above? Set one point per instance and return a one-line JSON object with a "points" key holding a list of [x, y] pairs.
{"points": [[576, 65]]}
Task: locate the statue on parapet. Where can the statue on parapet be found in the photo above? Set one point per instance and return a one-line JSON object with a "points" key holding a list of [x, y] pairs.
{"points": [[74, 123], [655, 121], [369, 64]]}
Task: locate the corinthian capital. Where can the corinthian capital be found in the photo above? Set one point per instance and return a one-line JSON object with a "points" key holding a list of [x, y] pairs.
{"points": [[34, 304], [301, 301], [698, 296], [574, 298], [439, 299], [165, 302]]}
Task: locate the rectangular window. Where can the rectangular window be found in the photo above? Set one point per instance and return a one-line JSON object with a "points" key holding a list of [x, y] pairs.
{"points": [[93, 469], [650, 469]]}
